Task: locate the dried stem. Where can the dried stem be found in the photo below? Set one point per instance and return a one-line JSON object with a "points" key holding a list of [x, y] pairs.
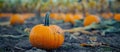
{"points": [[83, 29], [4, 23], [13, 36]]}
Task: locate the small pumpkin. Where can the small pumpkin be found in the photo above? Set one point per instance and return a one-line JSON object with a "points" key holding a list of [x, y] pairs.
{"points": [[1, 15], [60, 16], [107, 15], [16, 19], [78, 16], [69, 18], [117, 17], [53, 15], [91, 19], [46, 36]]}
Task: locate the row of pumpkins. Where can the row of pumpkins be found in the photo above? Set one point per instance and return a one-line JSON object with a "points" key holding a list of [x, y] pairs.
{"points": [[48, 36], [69, 17]]}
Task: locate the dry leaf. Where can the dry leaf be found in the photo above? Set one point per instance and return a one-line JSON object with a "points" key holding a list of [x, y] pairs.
{"points": [[93, 39], [85, 45], [76, 33], [27, 30]]}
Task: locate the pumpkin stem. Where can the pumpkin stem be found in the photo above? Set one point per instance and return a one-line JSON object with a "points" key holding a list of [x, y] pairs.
{"points": [[47, 19]]}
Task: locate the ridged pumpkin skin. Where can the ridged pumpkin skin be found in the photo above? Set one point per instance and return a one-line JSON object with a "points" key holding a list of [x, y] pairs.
{"points": [[16, 19], [57, 29], [117, 17], [107, 15], [46, 37], [91, 19]]}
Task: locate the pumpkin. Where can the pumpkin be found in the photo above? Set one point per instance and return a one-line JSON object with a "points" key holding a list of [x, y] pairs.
{"points": [[46, 36], [56, 28], [60, 16], [107, 15], [1, 15], [53, 15], [117, 17], [69, 18], [77, 16], [16, 19], [91, 19]]}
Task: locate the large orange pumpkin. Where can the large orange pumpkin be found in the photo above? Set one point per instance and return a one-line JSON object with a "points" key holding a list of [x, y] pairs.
{"points": [[117, 17], [91, 19], [46, 36], [16, 19]]}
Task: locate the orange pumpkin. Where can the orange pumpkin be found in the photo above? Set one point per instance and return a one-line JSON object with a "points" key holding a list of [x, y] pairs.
{"points": [[77, 16], [69, 18], [1, 15], [117, 17], [16, 19], [107, 15], [91, 19], [60, 16], [53, 15], [46, 36], [56, 28]]}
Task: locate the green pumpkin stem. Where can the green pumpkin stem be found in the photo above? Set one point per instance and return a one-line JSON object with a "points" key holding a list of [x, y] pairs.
{"points": [[47, 23]]}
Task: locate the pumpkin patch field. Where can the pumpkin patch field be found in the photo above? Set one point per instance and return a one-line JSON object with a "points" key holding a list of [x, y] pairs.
{"points": [[59, 26]]}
